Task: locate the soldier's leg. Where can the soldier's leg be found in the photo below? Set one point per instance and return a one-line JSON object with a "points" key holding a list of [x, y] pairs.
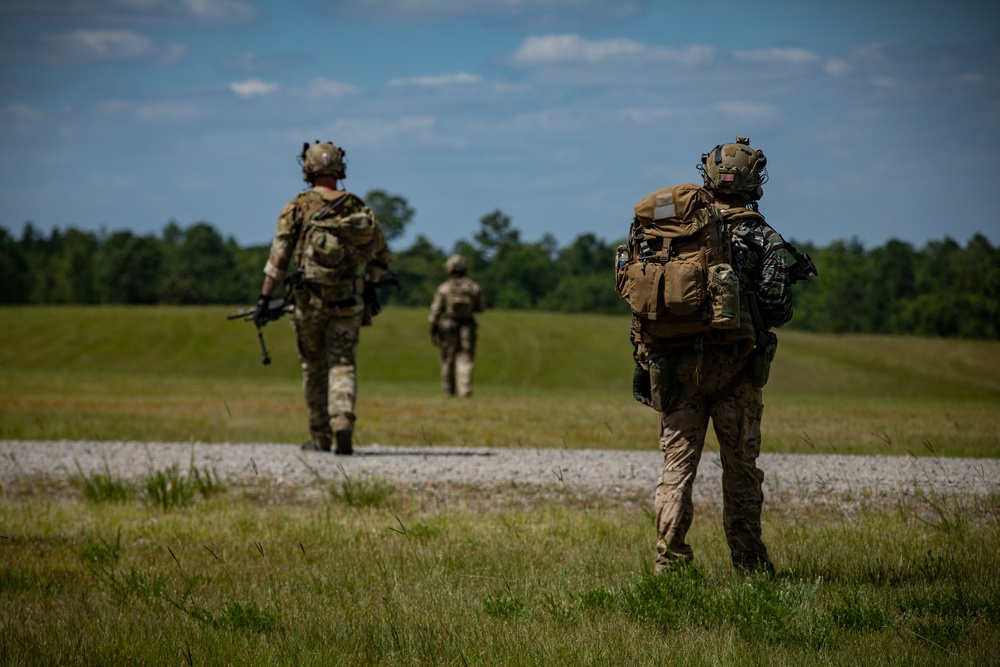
{"points": [[682, 437], [342, 337], [736, 419], [311, 338], [464, 359], [448, 350]]}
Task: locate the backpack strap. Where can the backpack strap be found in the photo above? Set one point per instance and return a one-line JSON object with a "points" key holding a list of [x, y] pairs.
{"points": [[331, 208]]}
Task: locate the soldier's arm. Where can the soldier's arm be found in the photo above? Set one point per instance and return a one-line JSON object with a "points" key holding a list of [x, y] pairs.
{"points": [[437, 305], [774, 285], [480, 303], [282, 248], [383, 257]]}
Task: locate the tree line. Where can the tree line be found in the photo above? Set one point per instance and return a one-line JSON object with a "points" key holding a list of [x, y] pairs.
{"points": [[941, 289]]}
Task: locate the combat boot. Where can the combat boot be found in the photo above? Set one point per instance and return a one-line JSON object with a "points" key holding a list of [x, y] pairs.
{"points": [[344, 445], [754, 564], [321, 444]]}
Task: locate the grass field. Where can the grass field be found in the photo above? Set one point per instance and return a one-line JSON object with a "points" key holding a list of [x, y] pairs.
{"points": [[177, 568], [542, 380], [374, 575]]}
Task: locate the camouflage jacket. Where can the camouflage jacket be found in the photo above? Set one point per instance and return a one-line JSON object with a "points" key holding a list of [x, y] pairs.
{"points": [[764, 264], [456, 299]]}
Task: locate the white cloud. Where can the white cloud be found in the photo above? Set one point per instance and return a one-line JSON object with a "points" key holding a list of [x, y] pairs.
{"points": [[523, 10], [437, 81], [570, 49], [330, 89], [132, 11], [215, 10], [253, 88], [778, 56], [837, 67], [97, 45], [20, 112]]}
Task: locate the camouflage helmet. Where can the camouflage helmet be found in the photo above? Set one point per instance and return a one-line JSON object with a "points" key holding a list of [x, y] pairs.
{"points": [[456, 264], [735, 169], [322, 158]]}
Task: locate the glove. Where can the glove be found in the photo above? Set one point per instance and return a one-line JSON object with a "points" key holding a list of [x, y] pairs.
{"points": [[435, 334], [261, 315], [642, 386], [370, 296]]}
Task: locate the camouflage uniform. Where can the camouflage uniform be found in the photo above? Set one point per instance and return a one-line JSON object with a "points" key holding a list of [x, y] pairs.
{"points": [[709, 377], [451, 315], [327, 317]]}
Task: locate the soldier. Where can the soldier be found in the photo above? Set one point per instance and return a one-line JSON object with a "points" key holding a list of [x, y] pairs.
{"points": [[453, 326], [331, 234], [718, 374]]}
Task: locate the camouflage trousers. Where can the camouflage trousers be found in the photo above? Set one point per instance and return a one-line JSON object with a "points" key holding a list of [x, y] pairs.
{"points": [[735, 413], [457, 351], [328, 342]]}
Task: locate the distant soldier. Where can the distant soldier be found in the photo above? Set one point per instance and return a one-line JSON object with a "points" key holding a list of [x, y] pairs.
{"points": [[453, 326], [332, 235]]}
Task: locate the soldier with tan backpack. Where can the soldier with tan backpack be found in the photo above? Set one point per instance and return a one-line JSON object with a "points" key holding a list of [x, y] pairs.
{"points": [[453, 326], [707, 279], [340, 253]]}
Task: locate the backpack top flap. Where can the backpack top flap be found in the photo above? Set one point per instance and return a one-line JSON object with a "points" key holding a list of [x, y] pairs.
{"points": [[346, 214], [679, 210]]}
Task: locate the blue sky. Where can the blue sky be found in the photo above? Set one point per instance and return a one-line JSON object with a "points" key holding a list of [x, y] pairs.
{"points": [[880, 119]]}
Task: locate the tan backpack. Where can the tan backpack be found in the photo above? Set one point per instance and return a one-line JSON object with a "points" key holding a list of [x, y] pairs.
{"points": [[337, 238], [461, 300], [677, 270]]}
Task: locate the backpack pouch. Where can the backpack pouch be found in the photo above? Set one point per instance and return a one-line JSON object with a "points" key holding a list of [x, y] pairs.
{"points": [[683, 287], [324, 257], [724, 296], [642, 286]]}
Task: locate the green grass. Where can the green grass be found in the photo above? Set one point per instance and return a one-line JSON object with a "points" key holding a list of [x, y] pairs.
{"points": [[260, 576], [542, 380], [164, 488]]}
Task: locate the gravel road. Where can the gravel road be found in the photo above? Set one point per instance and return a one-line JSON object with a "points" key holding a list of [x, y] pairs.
{"points": [[615, 474]]}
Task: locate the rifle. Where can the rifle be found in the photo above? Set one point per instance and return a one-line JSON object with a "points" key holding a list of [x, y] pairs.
{"points": [[275, 309], [370, 297], [803, 267]]}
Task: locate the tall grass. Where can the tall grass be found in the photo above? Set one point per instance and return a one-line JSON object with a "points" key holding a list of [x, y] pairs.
{"points": [[164, 488], [455, 576], [542, 380]]}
